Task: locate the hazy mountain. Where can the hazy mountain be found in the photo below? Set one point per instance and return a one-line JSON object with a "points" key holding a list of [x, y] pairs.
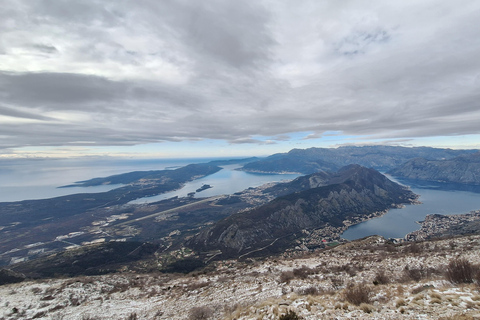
{"points": [[177, 176], [462, 169], [351, 193], [311, 160]]}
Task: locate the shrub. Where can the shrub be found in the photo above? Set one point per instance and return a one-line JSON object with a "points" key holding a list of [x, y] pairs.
{"points": [[419, 273], [477, 275], [380, 278], [290, 315], [313, 291], [413, 248], [286, 276], [460, 270], [358, 294], [303, 272], [337, 283], [132, 316], [200, 313]]}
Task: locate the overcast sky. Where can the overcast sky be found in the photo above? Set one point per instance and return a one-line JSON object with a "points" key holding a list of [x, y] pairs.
{"points": [[190, 78]]}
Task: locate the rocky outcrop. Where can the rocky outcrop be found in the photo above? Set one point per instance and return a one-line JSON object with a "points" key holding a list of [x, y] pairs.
{"points": [[353, 192], [463, 169]]}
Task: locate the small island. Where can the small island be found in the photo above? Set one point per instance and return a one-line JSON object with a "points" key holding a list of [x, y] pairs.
{"points": [[203, 187]]}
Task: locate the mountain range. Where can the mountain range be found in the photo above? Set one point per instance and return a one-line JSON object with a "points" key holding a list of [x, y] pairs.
{"points": [[382, 158], [311, 202], [463, 169]]}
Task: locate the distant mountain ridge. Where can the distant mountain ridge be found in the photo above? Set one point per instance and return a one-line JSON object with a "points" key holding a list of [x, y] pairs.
{"points": [[178, 175], [463, 169], [326, 200], [306, 161]]}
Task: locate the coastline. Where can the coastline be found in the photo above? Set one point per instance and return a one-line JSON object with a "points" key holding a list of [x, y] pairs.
{"points": [[436, 226]]}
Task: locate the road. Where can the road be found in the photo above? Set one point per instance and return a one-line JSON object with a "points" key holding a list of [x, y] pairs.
{"points": [[153, 215]]}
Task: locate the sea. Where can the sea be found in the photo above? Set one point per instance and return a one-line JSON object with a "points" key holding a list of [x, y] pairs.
{"points": [[435, 198], [26, 179]]}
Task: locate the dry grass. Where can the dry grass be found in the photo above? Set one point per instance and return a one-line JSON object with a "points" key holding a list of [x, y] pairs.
{"points": [[400, 303], [367, 308], [357, 294]]}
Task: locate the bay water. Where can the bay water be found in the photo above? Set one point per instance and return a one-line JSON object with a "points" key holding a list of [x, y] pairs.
{"points": [[27, 179], [435, 198]]}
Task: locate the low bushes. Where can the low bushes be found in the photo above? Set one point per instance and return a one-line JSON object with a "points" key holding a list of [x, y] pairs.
{"points": [[358, 294], [460, 270]]}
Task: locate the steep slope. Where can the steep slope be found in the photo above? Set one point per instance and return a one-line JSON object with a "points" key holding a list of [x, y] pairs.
{"points": [[463, 169], [314, 286], [311, 160], [354, 192]]}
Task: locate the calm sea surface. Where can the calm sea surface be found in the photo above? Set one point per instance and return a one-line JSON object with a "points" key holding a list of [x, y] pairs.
{"points": [[436, 198], [226, 181], [39, 179]]}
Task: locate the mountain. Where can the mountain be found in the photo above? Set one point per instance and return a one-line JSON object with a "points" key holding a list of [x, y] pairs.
{"points": [[353, 193], [177, 176], [463, 169], [395, 281], [382, 158]]}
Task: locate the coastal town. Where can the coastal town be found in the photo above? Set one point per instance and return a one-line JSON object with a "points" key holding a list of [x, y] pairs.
{"points": [[436, 225]]}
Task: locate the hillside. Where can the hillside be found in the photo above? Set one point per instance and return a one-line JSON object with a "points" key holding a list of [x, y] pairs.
{"points": [[381, 158], [354, 193], [463, 169], [46, 224], [364, 279]]}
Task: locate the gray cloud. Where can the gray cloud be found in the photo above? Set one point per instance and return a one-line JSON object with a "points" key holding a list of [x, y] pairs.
{"points": [[10, 112], [45, 48], [126, 73]]}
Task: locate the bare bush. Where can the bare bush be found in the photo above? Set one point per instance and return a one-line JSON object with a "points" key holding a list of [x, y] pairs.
{"points": [[286, 276], [132, 316], [349, 269], [413, 248], [415, 274], [380, 278], [419, 273], [358, 294], [303, 272], [477, 275], [312, 291], [460, 270], [290, 315], [200, 313], [337, 283]]}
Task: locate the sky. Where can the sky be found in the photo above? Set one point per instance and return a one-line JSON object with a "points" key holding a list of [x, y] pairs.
{"points": [[185, 78]]}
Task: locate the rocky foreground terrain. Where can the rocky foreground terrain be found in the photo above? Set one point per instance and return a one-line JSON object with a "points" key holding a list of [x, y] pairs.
{"points": [[365, 279]]}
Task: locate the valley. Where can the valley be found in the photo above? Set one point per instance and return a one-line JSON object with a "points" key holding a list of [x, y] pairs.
{"points": [[308, 213]]}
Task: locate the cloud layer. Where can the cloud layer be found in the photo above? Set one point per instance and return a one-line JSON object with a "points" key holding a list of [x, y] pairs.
{"points": [[123, 73]]}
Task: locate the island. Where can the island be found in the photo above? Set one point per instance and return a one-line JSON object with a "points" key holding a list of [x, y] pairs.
{"points": [[204, 187]]}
